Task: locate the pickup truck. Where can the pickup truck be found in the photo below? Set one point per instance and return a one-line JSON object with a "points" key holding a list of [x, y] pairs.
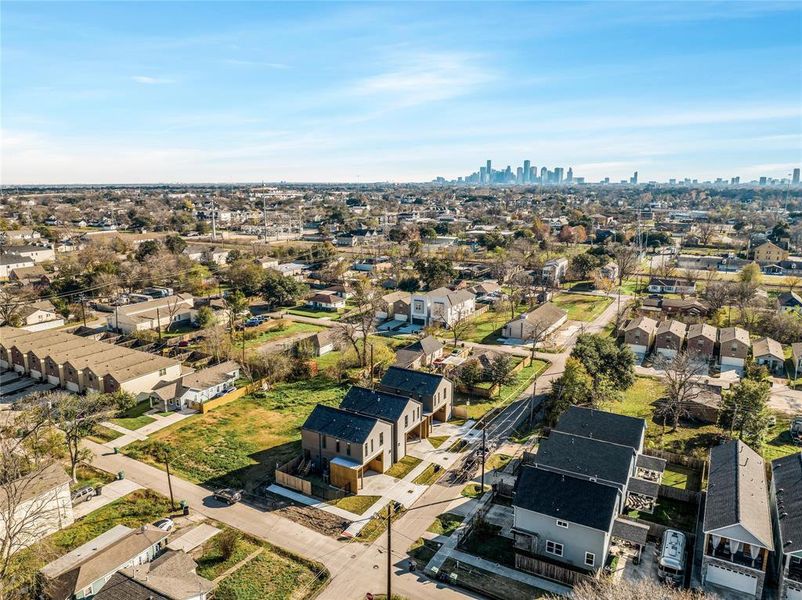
{"points": [[228, 495]]}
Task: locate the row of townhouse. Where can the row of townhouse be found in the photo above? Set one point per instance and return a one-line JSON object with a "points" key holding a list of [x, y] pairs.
{"points": [[83, 364], [370, 429], [752, 531], [570, 497], [731, 345]]}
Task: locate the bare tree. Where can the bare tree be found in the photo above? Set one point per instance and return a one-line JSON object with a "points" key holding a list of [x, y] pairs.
{"points": [[626, 258], [606, 588], [717, 294], [682, 373], [358, 324], [24, 518], [705, 232], [459, 325], [76, 416], [13, 300]]}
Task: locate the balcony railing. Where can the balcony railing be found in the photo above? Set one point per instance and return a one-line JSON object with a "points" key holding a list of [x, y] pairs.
{"points": [[795, 572], [739, 558]]}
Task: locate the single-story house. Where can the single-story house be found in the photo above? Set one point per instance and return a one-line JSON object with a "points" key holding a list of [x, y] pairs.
{"points": [[198, 387], [324, 301], [658, 285], [769, 352], [537, 324], [421, 353]]}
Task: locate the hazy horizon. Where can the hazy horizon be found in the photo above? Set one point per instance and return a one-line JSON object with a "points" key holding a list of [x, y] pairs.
{"points": [[177, 93]]}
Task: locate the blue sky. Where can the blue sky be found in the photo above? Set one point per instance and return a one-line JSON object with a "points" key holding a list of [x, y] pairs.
{"points": [[181, 92]]}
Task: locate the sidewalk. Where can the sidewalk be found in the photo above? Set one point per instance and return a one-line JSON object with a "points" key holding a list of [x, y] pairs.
{"points": [[130, 436]]}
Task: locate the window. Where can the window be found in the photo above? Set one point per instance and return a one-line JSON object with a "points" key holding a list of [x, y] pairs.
{"points": [[348, 448], [338, 446], [590, 559], [562, 524], [162, 371], [323, 441], [406, 420], [381, 438], [366, 447], [371, 444], [554, 548]]}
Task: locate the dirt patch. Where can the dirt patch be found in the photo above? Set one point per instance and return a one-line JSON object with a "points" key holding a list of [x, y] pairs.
{"points": [[313, 518]]}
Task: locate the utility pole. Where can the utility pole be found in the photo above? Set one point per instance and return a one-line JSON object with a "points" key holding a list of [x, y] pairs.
{"points": [[169, 481], [264, 212], [214, 221], [83, 309], [158, 324], [484, 451], [389, 550]]}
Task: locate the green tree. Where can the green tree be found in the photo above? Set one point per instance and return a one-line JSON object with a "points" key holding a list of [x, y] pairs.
{"points": [[206, 317], [751, 274], [435, 272], [246, 276], [147, 249], [573, 387], [499, 371], [470, 373], [744, 410], [278, 290], [175, 243], [581, 265], [604, 358]]}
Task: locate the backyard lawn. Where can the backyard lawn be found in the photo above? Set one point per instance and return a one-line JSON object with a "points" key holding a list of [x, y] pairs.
{"points": [[239, 444], [690, 437], [102, 434], [134, 417], [671, 513], [582, 307], [485, 328], [437, 440]]}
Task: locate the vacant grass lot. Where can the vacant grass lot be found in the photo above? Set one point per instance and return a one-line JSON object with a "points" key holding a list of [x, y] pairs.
{"points": [[134, 417], [102, 434], [274, 574], [279, 332], [240, 443], [304, 311], [582, 307], [523, 378], [486, 328], [690, 437]]}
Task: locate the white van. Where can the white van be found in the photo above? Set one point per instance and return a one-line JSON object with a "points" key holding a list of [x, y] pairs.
{"points": [[671, 558]]}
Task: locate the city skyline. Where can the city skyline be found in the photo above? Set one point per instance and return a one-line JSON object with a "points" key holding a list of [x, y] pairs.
{"points": [[337, 92]]}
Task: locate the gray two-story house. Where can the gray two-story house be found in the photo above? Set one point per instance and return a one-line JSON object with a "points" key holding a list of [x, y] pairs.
{"points": [[570, 496], [346, 445], [403, 414], [786, 505], [434, 392], [737, 525]]}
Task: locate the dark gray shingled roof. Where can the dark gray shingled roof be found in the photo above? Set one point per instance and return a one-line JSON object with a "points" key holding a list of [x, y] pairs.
{"points": [[787, 481], [643, 487], [122, 587], [630, 531], [374, 403], [339, 423], [428, 345], [736, 492], [601, 425], [652, 463], [568, 498], [586, 456], [415, 383]]}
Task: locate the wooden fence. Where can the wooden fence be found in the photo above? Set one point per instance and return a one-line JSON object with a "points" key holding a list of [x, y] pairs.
{"points": [[286, 479], [677, 459], [230, 396], [675, 493], [549, 570]]}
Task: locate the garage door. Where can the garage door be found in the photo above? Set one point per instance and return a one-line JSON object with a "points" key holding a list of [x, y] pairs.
{"points": [[732, 579]]}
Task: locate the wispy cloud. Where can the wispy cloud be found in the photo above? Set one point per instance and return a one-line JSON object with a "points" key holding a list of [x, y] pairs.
{"points": [[421, 78], [147, 80], [236, 62]]}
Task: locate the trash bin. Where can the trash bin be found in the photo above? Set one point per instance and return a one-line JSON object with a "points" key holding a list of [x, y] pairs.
{"points": [[186, 510], [98, 490], [120, 475], [116, 450]]}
